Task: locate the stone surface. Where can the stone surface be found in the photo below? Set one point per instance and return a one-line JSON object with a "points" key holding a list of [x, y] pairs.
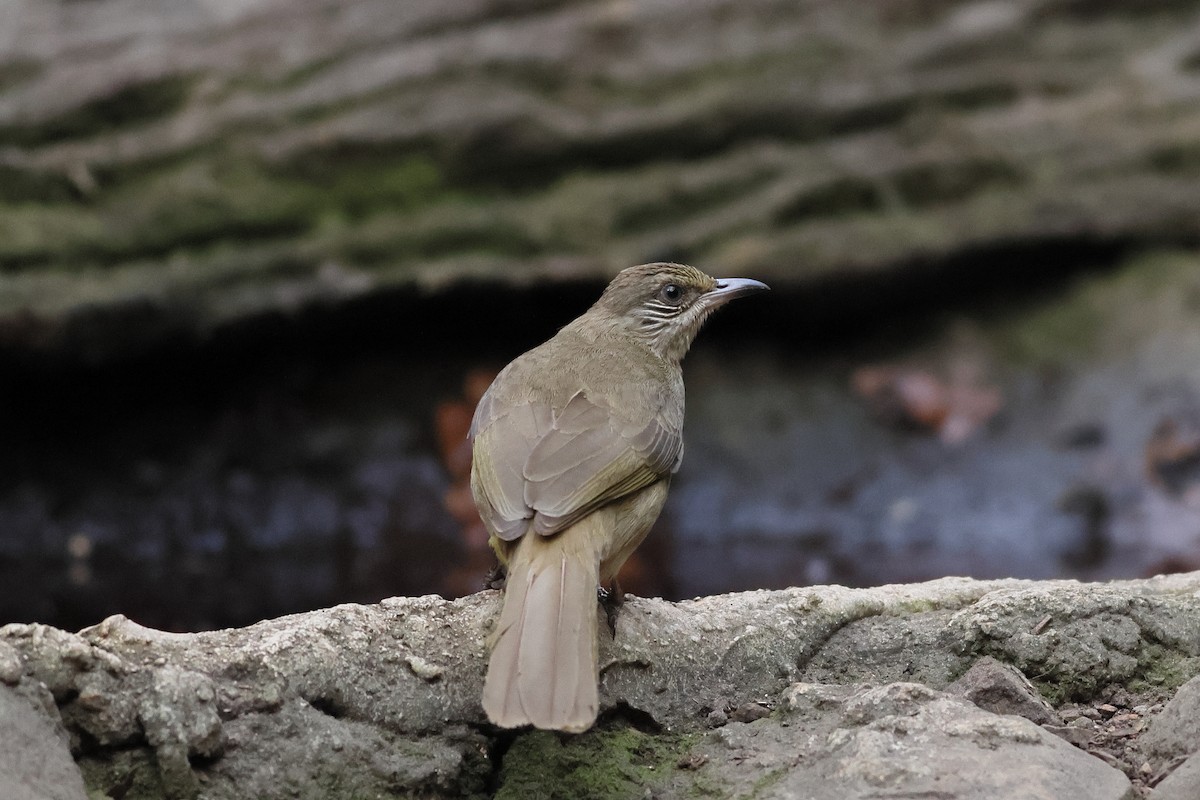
{"points": [[1176, 731], [1002, 689], [35, 762], [1182, 784], [898, 740], [169, 169], [331, 700]]}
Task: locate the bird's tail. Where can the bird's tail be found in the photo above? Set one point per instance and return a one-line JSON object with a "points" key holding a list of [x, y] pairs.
{"points": [[543, 668]]}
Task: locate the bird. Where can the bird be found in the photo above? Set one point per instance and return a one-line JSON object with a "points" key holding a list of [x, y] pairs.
{"points": [[573, 448]]}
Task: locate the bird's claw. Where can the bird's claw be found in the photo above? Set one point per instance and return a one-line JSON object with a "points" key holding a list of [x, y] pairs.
{"points": [[611, 600], [496, 578]]}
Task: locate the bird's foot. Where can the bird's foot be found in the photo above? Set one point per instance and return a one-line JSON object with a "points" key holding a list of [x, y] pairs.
{"points": [[496, 577], [611, 599]]}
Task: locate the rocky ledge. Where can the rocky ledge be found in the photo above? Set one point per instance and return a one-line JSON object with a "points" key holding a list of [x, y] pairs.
{"points": [[172, 170], [954, 688]]}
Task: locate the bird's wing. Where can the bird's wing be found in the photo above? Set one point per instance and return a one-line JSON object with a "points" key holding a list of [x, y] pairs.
{"points": [[502, 441], [589, 458], [555, 468]]}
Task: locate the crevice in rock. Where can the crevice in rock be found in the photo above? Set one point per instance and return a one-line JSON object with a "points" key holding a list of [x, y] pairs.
{"points": [[625, 714], [328, 706], [499, 740]]}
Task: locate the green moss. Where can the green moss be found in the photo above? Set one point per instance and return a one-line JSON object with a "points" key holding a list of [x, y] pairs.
{"points": [[171, 211], [131, 105], [359, 179], [607, 763], [129, 774], [33, 234], [1085, 319], [1057, 694], [199, 205], [1162, 668], [1158, 668]]}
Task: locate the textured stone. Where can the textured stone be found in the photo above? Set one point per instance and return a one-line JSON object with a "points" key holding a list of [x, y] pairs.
{"points": [[35, 762], [172, 168], [1182, 784], [1002, 689], [329, 700], [902, 740], [1176, 731]]}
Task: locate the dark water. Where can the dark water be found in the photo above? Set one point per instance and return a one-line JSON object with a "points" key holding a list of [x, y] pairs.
{"points": [[195, 495]]}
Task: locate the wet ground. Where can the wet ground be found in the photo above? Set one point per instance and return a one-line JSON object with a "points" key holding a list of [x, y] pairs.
{"points": [[199, 495]]}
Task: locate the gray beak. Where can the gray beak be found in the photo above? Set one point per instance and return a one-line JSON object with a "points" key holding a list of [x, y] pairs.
{"points": [[729, 288]]}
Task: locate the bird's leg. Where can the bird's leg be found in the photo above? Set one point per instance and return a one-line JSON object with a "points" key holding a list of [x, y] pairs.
{"points": [[496, 577], [611, 599]]}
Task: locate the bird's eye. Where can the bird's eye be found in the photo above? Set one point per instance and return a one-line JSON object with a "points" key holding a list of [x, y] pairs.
{"points": [[671, 293]]}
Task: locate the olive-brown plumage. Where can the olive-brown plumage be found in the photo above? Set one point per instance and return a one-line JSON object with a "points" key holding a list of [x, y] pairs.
{"points": [[574, 446]]}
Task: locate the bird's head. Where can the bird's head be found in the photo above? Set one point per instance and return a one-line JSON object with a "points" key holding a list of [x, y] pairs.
{"points": [[666, 304]]}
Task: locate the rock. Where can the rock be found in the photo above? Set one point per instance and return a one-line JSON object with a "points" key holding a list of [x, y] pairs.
{"points": [[384, 698], [900, 739], [749, 712], [1077, 734], [35, 761], [1096, 635], [10, 665], [1003, 689], [834, 742], [1175, 731], [167, 171], [1182, 784]]}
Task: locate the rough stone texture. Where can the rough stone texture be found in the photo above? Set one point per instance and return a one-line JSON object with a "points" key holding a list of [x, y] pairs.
{"points": [[1182, 784], [1176, 731], [356, 700], [1002, 689], [898, 740], [169, 168], [35, 762]]}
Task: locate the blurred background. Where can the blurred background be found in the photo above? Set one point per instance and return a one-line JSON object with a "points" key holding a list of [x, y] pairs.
{"points": [[259, 258]]}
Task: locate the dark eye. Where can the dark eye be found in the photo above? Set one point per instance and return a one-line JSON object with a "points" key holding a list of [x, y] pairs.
{"points": [[671, 293]]}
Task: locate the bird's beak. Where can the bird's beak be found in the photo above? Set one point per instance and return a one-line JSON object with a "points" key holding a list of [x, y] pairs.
{"points": [[729, 288]]}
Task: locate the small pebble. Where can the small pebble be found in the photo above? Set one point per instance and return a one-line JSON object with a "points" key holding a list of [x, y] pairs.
{"points": [[423, 669], [749, 712]]}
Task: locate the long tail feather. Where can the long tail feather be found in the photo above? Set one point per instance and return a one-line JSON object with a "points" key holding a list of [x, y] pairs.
{"points": [[543, 669]]}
